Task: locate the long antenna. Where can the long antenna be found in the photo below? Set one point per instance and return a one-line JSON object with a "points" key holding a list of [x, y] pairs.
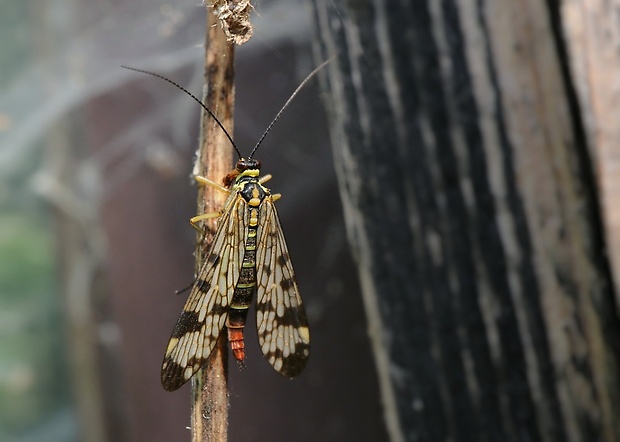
{"points": [[197, 100], [321, 66]]}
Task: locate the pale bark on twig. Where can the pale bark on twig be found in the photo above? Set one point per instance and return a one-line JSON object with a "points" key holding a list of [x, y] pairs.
{"points": [[210, 385]]}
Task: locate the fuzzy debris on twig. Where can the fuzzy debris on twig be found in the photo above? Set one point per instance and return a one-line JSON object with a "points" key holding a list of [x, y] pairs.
{"points": [[234, 17]]}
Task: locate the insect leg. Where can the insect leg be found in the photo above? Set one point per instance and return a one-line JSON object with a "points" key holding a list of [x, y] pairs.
{"points": [[265, 178], [208, 182], [196, 219]]}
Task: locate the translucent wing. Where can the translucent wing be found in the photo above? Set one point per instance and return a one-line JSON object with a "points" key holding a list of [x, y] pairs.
{"points": [[206, 308], [281, 321]]}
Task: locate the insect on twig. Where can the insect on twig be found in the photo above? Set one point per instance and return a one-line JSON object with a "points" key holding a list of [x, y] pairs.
{"points": [[248, 256]]}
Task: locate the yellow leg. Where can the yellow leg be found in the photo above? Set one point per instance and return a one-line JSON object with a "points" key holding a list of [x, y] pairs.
{"points": [[276, 196], [196, 219], [265, 178], [208, 182]]}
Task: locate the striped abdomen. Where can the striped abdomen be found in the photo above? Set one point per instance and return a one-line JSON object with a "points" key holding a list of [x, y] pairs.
{"points": [[245, 288]]}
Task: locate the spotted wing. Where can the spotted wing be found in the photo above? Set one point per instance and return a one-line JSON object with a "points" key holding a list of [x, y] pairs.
{"points": [[281, 321], [206, 308]]}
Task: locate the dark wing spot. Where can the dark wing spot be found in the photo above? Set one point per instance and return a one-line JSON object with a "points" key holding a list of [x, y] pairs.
{"points": [[171, 375], [295, 363], [202, 285], [194, 360], [213, 258], [290, 317], [282, 259], [286, 284], [267, 270], [187, 323], [218, 309]]}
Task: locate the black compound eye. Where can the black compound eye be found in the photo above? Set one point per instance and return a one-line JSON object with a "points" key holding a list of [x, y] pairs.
{"points": [[245, 164], [241, 165]]}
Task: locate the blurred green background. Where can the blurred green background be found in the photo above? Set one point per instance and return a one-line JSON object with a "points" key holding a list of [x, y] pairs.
{"points": [[35, 400]]}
